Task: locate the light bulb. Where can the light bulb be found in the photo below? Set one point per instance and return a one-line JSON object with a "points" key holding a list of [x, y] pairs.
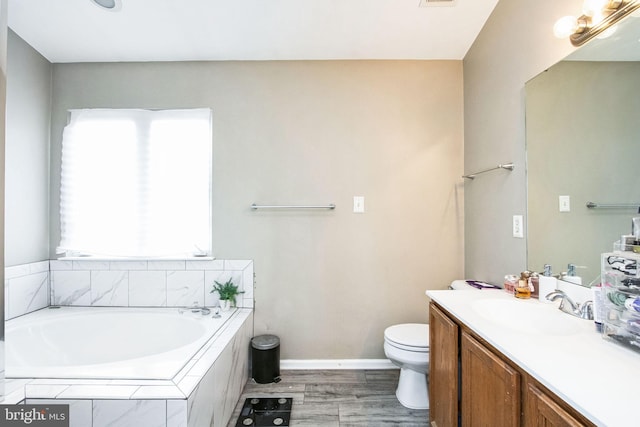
{"points": [[597, 18], [565, 26], [594, 7]]}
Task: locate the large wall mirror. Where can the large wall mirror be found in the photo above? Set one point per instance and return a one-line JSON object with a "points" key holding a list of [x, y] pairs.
{"points": [[583, 141]]}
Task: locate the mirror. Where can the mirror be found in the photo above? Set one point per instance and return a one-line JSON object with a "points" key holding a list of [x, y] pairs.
{"points": [[582, 142]]}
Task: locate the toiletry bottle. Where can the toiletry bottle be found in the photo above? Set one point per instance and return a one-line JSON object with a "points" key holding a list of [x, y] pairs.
{"points": [[522, 288], [635, 231], [546, 284], [635, 227], [598, 306], [534, 284], [510, 282]]}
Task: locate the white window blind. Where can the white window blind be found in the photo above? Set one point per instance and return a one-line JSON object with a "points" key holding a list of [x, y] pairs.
{"points": [[136, 183]]}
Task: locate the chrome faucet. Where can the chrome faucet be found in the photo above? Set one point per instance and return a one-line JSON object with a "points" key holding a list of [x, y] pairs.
{"points": [[203, 310], [584, 311]]}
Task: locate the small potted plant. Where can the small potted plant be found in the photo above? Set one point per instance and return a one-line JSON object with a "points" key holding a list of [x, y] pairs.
{"points": [[227, 292]]}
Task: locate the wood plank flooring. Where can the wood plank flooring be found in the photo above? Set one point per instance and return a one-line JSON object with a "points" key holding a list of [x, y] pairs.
{"points": [[339, 398]]}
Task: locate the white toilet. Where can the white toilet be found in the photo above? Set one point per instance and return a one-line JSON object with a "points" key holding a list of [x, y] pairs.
{"points": [[407, 346]]}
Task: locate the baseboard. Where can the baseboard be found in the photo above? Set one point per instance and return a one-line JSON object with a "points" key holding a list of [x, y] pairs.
{"points": [[336, 364]]}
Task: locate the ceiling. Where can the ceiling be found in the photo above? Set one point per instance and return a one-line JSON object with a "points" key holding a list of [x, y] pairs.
{"points": [[179, 30]]}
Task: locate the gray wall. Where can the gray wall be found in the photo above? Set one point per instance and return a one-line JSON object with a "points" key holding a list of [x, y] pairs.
{"points": [[516, 43], [328, 283], [27, 151], [3, 95]]}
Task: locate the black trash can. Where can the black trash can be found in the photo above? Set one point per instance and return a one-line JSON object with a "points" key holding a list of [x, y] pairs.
{"points": [[265, 358]]}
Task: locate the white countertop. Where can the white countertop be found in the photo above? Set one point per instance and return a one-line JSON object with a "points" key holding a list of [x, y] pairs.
{"points": [[600, 379]]}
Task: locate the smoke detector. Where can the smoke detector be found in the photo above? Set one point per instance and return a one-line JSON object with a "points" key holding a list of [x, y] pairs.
{"points": [[436, 3]]}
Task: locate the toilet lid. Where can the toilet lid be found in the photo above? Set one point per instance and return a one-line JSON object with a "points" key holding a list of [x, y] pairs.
{"points": [[408, 334]]}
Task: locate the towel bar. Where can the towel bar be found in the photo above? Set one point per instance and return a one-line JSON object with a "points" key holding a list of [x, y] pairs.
{"points": [[330, 206], [508, 166]]}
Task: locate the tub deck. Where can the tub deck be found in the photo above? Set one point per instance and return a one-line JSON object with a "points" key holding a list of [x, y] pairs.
{"points": [[216, 373], [107, 342]]}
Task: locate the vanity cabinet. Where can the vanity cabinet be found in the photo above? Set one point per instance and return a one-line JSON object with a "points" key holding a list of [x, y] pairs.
{"points": [[473, 384], [443, 369], [541, 410], [490, 387]]}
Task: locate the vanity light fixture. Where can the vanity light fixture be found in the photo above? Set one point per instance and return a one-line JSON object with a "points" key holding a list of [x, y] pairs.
{"points": [[110, 5], [597, 17]]}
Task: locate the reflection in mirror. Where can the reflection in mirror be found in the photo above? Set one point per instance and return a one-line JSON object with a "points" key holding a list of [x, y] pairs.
{"points": [[582, 142]]}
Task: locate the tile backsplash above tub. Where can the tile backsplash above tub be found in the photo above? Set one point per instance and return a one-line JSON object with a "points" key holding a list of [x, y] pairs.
{"points": [[139, 283], [26, 288]]}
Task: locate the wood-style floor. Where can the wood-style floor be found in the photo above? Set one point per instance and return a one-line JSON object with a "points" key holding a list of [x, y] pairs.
{"points": [[344, 398]]}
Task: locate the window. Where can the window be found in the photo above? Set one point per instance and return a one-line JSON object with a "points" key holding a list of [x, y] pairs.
{"points": [[136, 183]]}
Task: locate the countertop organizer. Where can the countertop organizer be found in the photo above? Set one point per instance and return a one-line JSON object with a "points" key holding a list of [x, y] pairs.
{"points": [[621, 287]]}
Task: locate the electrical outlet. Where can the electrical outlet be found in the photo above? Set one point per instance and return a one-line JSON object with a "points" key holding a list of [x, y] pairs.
{"points": [[518, 226]]}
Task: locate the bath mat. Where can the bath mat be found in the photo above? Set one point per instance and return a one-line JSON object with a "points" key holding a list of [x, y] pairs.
{"points": [[265, 411]]}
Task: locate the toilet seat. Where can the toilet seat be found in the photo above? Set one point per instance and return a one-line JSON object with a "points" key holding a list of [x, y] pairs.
{"points": [[408, 336]]}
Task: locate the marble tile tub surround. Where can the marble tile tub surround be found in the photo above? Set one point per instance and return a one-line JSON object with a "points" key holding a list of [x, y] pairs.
{"points": [[147, 283], [150, 283], [26, 288], [204, 392]]}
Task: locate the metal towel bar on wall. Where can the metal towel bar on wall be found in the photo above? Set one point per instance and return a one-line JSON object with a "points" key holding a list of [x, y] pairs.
{"points": [[329, 206], [508, 166], [594, 205]]}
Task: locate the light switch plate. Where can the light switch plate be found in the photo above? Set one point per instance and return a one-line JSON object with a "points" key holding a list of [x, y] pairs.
{"points": [[358, 204], [564, 203], [518, 226]]}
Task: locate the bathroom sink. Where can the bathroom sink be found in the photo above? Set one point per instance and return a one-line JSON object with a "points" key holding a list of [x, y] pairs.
{"points": [[525, 316]]}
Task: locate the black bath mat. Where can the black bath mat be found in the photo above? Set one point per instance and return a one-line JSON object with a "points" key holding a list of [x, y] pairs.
{"points": [[265, 412]]}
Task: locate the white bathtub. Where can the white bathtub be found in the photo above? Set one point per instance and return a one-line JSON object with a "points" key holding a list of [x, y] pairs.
{"points": [[106, 343]]}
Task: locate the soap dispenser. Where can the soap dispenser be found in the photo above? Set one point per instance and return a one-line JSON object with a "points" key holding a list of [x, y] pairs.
{"points": [[571, 276], [546, 284]]}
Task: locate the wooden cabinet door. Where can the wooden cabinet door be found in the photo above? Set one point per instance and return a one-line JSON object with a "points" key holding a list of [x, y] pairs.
{"points": [[443, 369], [490, 387], [542, 411]]}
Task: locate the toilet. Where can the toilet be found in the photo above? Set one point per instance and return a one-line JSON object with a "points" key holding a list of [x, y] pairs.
{"points": [[407, 346]]}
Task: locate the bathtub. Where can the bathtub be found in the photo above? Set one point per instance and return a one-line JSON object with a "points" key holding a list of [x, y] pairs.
{"points": [[106, 343]]}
